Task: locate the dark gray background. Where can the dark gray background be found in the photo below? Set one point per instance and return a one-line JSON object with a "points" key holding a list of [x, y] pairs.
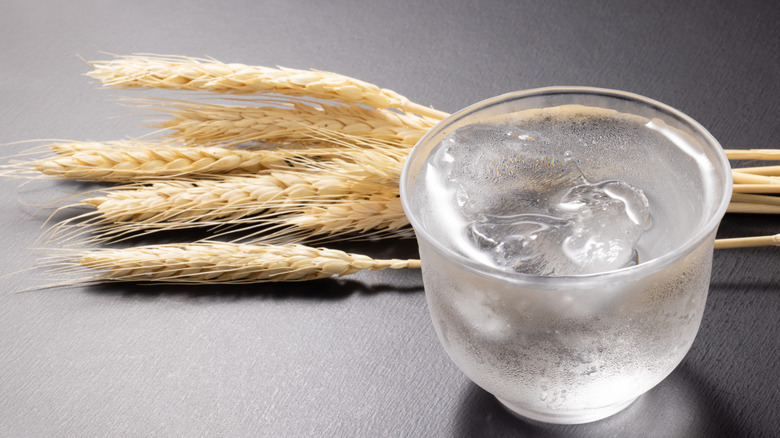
{"points": [[358, 357]]}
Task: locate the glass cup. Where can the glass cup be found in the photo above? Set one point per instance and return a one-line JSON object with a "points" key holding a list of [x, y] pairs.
{"points": [[577, 348]]}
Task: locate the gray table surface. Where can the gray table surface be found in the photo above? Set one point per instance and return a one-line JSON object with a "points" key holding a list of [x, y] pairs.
{"points": [[359, 357]]}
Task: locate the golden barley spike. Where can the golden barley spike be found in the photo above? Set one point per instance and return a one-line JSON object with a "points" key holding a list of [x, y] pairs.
{"points": [[283, 120], [184, 73], [224, 263]]}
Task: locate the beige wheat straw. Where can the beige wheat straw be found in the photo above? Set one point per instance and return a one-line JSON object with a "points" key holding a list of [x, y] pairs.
{"points": [[230, 263], [756, 188], [759, 170], [344, 185], [132, 160], [745, 242], [747, 207], [375, 214], [217, 262], [223, 200], [749, 178], [176, 72], [286, 122], [362, 157], [124, 161], [752, 154], [755, 199]]}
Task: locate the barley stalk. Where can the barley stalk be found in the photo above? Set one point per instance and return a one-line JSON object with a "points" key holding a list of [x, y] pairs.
{"points": [[218, 262], [756, 188], [132, 160], [345, 186], [747, 207], [753, 154], [360, 157], [123, 161], [746, 242], [286, 122], [230, 263], [225, 200], [760, 170], [749, 178], [755, 199], [379, 214], [184, 73]]}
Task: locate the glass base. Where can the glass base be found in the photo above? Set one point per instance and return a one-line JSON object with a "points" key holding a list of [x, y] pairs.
{"points": [[570, 417]]}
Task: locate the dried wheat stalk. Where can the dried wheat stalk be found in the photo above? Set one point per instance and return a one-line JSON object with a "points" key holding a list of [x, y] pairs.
{"points": [[751, 182], [753, 154], [749, 178], [274, 213], [133, 160], [229, 263], [755, 199], [746, 242], [130, 160], [174, 72], [759, 170], [376, 214], [327, 207], [752, 203], [747, 207], [223, 263], [757, 188], [228, 199], [286, 122]]}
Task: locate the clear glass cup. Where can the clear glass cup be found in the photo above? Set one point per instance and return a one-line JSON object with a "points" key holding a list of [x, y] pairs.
{"points": [[578, 348]]}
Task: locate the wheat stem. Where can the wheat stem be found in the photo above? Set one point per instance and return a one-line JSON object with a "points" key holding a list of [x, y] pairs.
{"points": [[231, 263], [224, 200], [749, 178], [760, 170], [746, 242], [756, 188], [375, 215], [123, 161], [746, 207], [285, 122], [755, 199], [152, 71], [217, 262], [128, 161], [752, 154]]}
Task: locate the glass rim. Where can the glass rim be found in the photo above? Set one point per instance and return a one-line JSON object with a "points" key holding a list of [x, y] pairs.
{"points": [[580, 281]]}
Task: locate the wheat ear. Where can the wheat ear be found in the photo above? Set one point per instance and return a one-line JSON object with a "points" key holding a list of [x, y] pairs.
{"points": [[284, 122], [224, 263], [279, 207], [223, 200], [129, 160], [373, 216], [185, 73]]}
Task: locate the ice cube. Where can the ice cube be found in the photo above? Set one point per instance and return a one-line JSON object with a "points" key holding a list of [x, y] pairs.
{"points": [[527, 243], [530, 209], [499, 169], [609, 218], [607, 198], [590, 228]]}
